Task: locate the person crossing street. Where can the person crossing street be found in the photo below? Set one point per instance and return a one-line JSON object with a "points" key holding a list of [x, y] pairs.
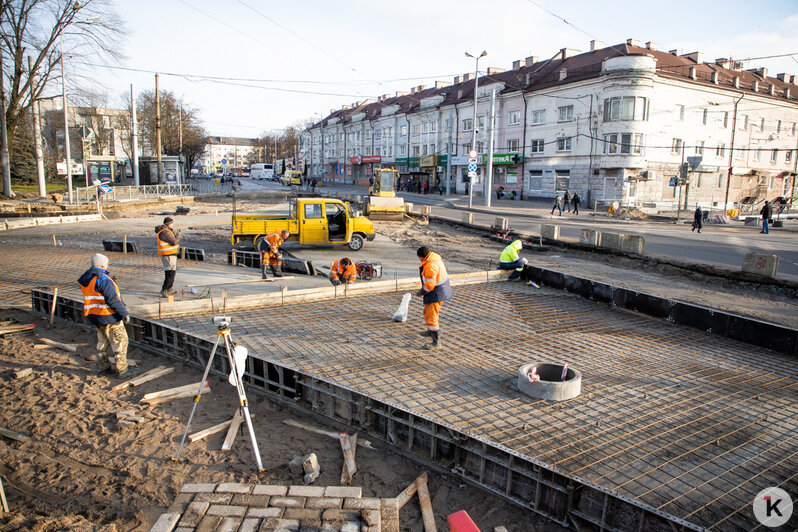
{"points": [[343, 271], [103, 305], [435, 289], [168, 241], [270, 254]]}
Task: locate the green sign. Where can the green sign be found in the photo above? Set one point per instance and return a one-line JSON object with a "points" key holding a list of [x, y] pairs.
{"points": [[504, 158]]}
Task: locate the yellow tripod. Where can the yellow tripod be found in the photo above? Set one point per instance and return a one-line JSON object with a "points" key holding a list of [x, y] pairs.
{"points": [[223, 323]]}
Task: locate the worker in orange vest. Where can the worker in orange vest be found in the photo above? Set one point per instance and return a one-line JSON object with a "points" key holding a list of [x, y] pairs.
{"points": [[168, 241], [269, 248], [343, 271], [435, 289], [104, 307]]}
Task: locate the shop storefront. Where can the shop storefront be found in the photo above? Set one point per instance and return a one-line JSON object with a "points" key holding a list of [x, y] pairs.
{"points": [[508, 174], [362, 168]]}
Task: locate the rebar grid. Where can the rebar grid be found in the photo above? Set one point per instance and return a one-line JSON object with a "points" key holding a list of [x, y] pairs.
{"points": [[678, 419]]}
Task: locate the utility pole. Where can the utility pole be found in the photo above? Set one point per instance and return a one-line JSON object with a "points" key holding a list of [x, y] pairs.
{"points": [[158, 130], [67, 152], [449, 156], [474, 124], [731, 152], [180, 141], [135, 135], [489, 172], [4, 160], [37, 135]]}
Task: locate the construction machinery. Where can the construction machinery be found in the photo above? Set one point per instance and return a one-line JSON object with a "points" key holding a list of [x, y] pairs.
{"points": [[383, 203]]}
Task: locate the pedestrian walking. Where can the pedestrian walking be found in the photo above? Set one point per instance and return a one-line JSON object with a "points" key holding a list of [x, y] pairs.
{"points": [[509, 260], [698, 219], [556, 205], [435, 289], [566, 200], [168, 241], [103, 305], [270, 254], [499, 193], [767, 214], [576, 202]]}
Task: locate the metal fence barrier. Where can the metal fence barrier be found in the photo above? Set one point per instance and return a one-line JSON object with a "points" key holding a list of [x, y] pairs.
{"points": [[122, 193]]}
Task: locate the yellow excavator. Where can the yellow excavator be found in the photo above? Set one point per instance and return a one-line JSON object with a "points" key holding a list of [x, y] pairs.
{"points": [[383, 203]]}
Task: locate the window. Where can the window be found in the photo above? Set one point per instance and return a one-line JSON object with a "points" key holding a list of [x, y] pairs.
{"points": [[424, 127], [726, 119], [539, 117], [788, 156], [624, 143], [537, 146], [720, 180], [699, 147], [720, 150], [565, 114], [740, 153], [389, 132], [624, 108], [514, 118], [677, 146], [536, 180], [774, 156], [705, 116], [424, 150], [404, 130], [378, 134], [368, 150], [762, 125], [744, 121], [468, 123], [313, 210], [562, 179], [415, 151], [778, 126], [447, 125], [368, 134], [341, 137], [794, 126], [480, 147], [512, 145], [433, 127], [564, 144], [757, 154], [403, 149], [416, 129], [480, 122], [680, 112]]}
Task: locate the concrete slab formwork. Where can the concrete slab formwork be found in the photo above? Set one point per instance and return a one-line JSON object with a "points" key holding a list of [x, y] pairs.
{"points": [[674, 428]]}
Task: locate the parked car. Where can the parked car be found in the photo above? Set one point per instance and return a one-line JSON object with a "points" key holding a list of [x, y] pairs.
{"points": [[201, 176]]}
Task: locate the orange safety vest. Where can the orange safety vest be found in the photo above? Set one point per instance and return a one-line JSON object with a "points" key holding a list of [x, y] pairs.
{"points": [[349, 273], [275, 240], [165, 248], [94, 302]]}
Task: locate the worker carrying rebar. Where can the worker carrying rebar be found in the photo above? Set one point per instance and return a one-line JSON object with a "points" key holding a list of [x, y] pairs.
{"points": [[509, 260], [105, 309], [168, 241], [435, 289], [343, 271], [270, 254]]}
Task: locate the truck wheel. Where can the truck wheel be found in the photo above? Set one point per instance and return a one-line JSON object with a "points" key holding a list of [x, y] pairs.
{"points": [[257, 240], [356, 242]]}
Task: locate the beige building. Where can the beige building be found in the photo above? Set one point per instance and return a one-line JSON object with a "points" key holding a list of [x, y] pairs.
{"points": [[229, 152]]}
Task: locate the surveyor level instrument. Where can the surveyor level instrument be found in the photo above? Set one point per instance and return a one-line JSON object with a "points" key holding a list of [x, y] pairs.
{"points": [[223, 323]]}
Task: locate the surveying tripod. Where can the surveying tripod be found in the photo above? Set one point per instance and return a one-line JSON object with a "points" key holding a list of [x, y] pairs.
{"points": [[224, 335]]}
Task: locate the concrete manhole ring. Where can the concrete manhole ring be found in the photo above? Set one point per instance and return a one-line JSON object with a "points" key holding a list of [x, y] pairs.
{"points": [[550, 386]]}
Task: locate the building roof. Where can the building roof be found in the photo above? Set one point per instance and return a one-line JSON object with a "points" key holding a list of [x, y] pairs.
{"points": [[232, 141]]}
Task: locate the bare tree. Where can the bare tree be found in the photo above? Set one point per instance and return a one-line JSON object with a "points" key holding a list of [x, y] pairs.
{"points": [[91, 31]]}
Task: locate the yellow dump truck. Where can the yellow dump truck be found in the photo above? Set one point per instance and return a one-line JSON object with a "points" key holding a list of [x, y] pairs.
{"points": [[311, 222]]}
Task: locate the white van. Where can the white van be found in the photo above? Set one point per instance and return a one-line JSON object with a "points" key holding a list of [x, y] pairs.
{"points": [[262, 171]]}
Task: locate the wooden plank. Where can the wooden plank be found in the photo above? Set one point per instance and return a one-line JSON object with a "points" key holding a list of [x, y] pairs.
{"points": [[349, 460], [20, 373], [65, 347], [210, 430], [319, 430], [232, 432], [46, 346], [141, 379], [174, 397], [345, 478], [406, 494], [3, 500], [170, 391], [145, 375], [55, 301], [125, 413], [13, 435], [12, 329], [427, 515]]}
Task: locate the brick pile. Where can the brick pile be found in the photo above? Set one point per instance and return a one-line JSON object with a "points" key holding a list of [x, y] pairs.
{"points": [[265, 508]]}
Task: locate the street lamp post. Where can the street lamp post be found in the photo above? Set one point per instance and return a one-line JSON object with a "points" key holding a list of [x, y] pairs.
{"points": [[474, 123], [67, 152]]}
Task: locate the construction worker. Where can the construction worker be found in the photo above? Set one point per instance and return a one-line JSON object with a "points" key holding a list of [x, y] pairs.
{"points": [[509, 260], [168, 241], [343, 271], [269, 248], [108, 313], [435, 289]]}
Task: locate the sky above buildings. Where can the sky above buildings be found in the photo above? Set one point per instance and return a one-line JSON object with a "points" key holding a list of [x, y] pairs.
{"points": [[254, 66]]}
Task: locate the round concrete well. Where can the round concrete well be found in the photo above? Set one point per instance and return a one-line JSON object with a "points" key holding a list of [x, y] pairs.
{"points": [[550, 386]]}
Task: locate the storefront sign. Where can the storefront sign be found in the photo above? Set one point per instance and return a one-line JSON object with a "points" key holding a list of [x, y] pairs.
{"points": [[503, 158], [371, 158], [355, 160], [459, 160], [512, 178], [431, 160]]}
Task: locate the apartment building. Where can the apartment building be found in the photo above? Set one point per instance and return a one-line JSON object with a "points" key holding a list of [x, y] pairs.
{"points": [[616, 123], [229, 152]]}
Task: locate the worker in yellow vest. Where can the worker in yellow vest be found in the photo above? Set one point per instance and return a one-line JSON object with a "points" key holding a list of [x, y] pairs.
{"points": [[509, 260], [168, 241]]}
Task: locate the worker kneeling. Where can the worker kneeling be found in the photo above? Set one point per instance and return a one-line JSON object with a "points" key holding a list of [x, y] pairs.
{"points": [[509, 260], [343, 271], [270, 254], [435, 289]]}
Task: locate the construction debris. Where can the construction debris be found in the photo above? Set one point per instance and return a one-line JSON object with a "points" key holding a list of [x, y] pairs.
{"points": [[210, 430], [20, 373], [53, 343], [232, 432], [147, 376], [13, 435], [10, 330], [173, 391], [419, 486], [349, 457], [177, 395], [295, 465], [319, 430], [310, 464]]}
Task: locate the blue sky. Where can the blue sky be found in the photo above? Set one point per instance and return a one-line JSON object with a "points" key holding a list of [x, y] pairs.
{"points": [[355, 49]]}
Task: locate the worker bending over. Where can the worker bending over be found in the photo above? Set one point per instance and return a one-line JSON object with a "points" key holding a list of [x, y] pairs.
{"points": [[168, 241], [435, 289], [343, 271], [509, 260], [105, 309], [269, 248]]}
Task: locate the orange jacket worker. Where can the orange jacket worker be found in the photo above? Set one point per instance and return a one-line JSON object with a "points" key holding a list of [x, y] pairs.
{"points": [[168, 245], [270, 253], [435, 289], [343, 271]]}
